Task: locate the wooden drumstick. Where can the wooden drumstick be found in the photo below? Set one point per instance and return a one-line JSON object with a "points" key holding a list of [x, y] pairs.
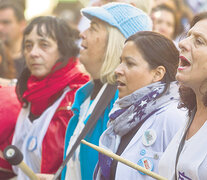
{"points": [[14, 156], [125, 161]]}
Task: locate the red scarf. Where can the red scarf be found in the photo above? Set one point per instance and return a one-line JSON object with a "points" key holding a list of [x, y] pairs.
{"points": [[42, 93]]}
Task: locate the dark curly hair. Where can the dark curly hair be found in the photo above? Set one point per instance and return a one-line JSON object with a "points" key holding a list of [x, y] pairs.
{"points": [[188, 97]]}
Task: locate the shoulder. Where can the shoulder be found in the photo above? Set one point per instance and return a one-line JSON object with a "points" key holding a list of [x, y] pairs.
{"points": [[78, 77], [82, 94], [85, 89], [171, 110], [171, 116], [9, 108]]}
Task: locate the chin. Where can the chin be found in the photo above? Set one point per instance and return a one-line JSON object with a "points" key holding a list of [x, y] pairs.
{"points": [[120, 96], [179, 77], [183, 82], [39, 75], [82, 60], [180, 80]]}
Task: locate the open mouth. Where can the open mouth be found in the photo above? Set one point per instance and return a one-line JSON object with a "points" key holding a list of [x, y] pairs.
{"points": [[83, 47], [184, 63], [120, 84]]}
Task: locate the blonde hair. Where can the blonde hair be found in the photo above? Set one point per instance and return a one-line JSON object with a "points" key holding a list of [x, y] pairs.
{"points": [[112, 56]]}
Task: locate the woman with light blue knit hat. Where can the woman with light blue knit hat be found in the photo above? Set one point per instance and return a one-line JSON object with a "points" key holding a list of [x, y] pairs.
{"points": [[102, 44]]}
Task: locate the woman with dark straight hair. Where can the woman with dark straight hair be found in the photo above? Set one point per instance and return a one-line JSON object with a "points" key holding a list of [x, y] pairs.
{"points": [[145, 117], [46, 90]]}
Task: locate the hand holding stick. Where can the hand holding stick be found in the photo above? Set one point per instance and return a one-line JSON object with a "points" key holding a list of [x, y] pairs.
{"points": [[14, 156], [125, 161]]}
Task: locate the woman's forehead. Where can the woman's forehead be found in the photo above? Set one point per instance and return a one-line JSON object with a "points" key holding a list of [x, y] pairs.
{"points": [[200, 26], [42, 31]]}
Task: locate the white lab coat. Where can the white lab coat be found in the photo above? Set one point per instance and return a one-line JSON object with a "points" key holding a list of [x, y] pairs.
{"points": [[165, 122], [192, 161]]}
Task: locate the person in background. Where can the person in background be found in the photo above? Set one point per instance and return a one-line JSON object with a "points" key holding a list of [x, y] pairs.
{"points": [[165, 21], [46, 90], [145, 5], [7, 69], [9, 109], [102, 44], [70, 11], [12, 24], [186, 156], [145, 117], [183, 12]]}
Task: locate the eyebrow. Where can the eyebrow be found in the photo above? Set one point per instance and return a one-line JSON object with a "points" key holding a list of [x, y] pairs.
{"points": [[5, 21], [27, 41], [128, 58], [40, 39], [197, 34]]}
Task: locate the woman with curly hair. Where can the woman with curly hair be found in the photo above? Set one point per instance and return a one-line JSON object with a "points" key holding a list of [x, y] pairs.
{"points": [[186, 156]]}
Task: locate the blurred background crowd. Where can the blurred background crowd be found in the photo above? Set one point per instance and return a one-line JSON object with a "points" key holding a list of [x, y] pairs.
{"points": [[170, 17]]}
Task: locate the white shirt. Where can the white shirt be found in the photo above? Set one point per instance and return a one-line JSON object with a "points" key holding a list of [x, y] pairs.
{"points": [[73, 171], [165, 123], [28, 136], [192, 162]]}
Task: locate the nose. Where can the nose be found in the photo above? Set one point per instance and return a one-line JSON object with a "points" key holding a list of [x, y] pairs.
{"points": [[119, 70], [83, 35], [184, 44], [1, 26], [34, 51]]}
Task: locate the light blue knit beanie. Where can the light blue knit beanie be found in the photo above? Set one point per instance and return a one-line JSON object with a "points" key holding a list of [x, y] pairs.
{"points": [[127, 18]]}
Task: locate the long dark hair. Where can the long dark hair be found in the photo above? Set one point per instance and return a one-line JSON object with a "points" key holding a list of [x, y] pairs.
{"points": [[58, 30], [188, 97], [158, 50]]}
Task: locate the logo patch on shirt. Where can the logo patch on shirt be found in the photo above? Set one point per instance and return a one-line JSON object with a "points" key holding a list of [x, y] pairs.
{"points": [[146, 163], [32, 143], [182, 176], [149, 137]]}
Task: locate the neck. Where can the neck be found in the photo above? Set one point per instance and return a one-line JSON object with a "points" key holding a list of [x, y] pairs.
{"points": [[94, 72], [97, 86], [95, 75], [199, 118], [198, 121], [201, 112]]}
